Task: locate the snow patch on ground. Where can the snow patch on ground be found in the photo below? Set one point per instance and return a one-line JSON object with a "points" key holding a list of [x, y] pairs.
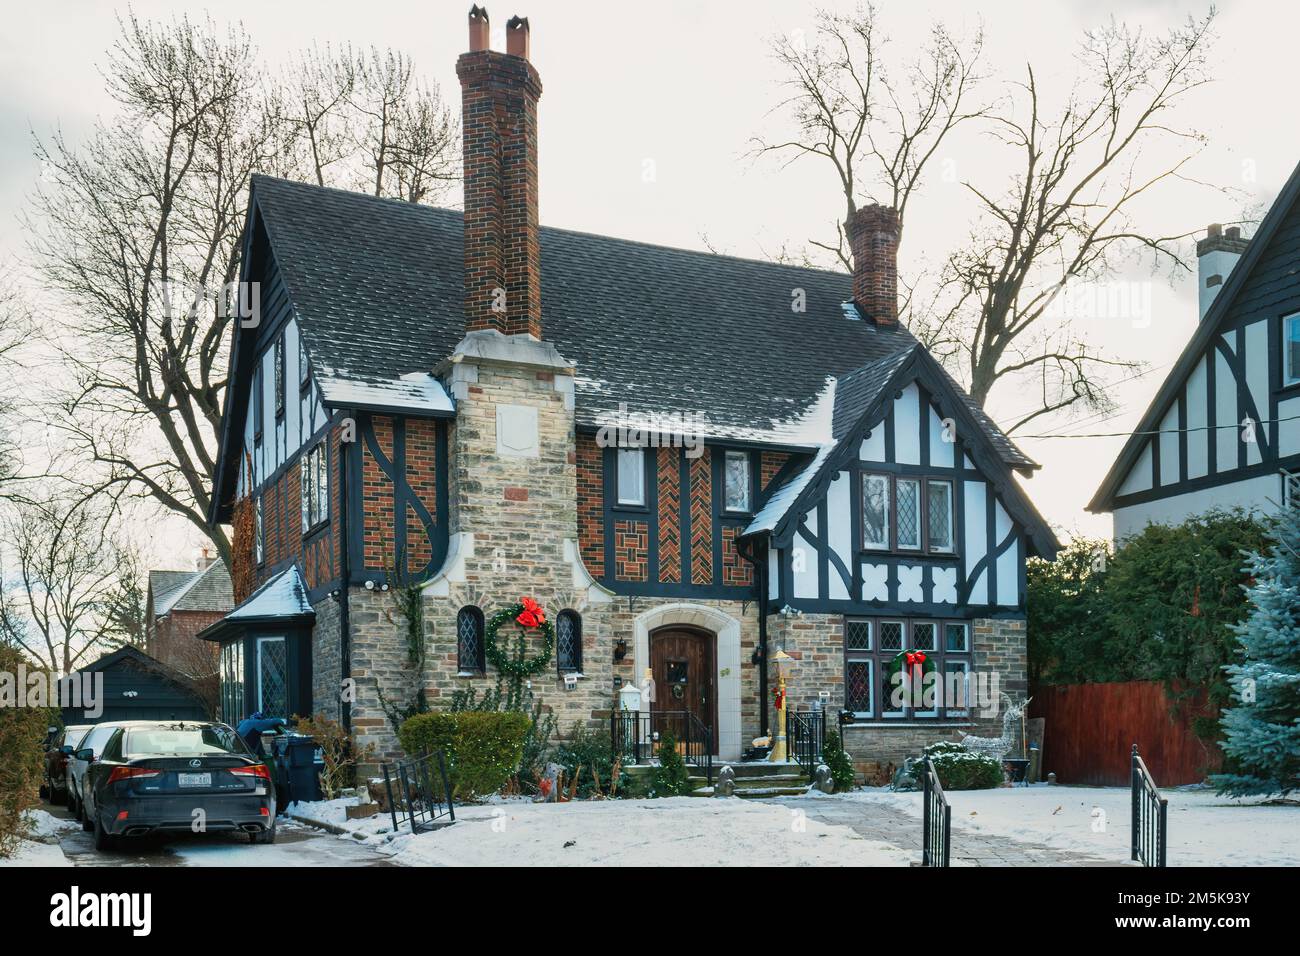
{"points": [[41, 848], [679, 831], [1204, 829]]}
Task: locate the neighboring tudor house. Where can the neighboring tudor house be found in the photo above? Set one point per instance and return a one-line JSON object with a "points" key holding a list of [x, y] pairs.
{"points": [[180, 605], [1223, 431], [845, 502]]}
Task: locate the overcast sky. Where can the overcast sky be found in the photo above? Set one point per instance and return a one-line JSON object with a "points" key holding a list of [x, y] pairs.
{"points": [[686, 85]]}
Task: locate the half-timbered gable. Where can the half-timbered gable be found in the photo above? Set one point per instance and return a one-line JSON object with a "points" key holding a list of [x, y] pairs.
{"points": [[1224, 429]]}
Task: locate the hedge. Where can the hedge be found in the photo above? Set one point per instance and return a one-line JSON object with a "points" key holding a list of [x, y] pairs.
{"points": [[482, 748], [22, 754], [961, 769]]}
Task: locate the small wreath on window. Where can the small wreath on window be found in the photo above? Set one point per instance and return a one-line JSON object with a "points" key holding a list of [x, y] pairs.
{"points": [[529, 616], [679, 691], [918, 664]]}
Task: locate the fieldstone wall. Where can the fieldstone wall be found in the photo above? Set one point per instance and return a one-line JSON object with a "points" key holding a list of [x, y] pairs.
{"points": [[326, 658]]}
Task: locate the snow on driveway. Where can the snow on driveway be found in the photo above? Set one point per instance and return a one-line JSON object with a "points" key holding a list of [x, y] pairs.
{"points": [[1204, 829], [677, 831]]}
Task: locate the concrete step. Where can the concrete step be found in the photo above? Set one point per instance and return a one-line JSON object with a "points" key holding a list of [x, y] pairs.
{"points": [[756, 793], [754, 768], [749, 783]]}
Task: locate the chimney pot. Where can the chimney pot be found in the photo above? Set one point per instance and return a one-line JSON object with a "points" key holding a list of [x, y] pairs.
{"points": [[1232, 232], [873, 239], [479, 29], [1214, 231], [517, 37]]}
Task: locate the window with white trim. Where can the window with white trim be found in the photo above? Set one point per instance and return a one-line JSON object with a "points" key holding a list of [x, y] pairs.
{"points": [[939, 515], [259, 537], [738, 481], [907, 513], [279, 376], [875, 512], [1291, 349], [631, 476], [876, 649], [568, 642]]}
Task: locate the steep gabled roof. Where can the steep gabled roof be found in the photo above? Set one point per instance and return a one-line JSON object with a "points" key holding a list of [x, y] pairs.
{"points": [[207, 589], [282, 598], [135, 657], [1203, 338], [863, 397]]}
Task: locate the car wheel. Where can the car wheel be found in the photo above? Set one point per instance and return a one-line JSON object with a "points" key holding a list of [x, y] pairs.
{"points": [[103, 839], [263, 837], [74, 805]]}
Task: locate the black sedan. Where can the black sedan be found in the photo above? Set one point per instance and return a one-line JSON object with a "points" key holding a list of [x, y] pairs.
{"points": [[160, 776]]}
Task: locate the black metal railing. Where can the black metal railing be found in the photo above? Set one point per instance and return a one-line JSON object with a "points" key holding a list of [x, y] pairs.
{"points": [[1150, 832], [936, 819], [636, 736], [807, 735], [419, 793]]}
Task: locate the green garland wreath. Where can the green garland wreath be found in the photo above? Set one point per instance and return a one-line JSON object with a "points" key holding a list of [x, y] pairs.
{"points": [[896, 665], [502, 661]]}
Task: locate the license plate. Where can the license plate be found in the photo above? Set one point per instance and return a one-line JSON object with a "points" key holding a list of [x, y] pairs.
{"points": [[195, 779]]}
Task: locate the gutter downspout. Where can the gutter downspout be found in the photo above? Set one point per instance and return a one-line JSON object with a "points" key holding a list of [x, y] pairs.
{"points": [[345, 573]]}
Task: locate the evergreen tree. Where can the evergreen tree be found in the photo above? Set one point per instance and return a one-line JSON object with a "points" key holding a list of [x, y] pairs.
{"points": [[839, 762], [671, 778], [1262, 729]]}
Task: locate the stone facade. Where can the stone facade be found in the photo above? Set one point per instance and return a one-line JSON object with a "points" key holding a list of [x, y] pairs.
{"points": [[326, 658]]}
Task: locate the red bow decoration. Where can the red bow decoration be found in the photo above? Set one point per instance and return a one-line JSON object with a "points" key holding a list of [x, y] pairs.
{"points": [[532, 615], [914, 658], [780, 698]]}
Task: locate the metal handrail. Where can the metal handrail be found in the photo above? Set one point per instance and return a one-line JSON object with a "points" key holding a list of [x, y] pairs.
{"points": [[936, 819], [1149, 829], [807, 733]]}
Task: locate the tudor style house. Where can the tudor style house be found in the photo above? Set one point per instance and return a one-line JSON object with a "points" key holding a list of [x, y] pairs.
{"points": [[691, 460], [1223, 430]]}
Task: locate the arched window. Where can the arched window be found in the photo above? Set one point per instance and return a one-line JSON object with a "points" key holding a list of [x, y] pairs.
{"points": [[568, 641], [469, 640]]}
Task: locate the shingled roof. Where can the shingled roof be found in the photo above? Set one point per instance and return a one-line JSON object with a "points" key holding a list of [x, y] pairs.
{"points": [[376, 287], [207, 589]]}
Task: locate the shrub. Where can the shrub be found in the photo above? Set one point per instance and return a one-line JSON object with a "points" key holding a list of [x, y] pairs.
{"points": [[22, 754], [584, 752], [671, 778], [959, 768], [482, 748], [839, 762]]}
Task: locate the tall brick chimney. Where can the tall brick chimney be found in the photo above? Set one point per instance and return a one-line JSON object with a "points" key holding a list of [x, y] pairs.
{"points": [[873, 240], [499, 94]]}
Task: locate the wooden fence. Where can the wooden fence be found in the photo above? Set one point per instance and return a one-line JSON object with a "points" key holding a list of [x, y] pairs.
{"points": [[1091, 729]]}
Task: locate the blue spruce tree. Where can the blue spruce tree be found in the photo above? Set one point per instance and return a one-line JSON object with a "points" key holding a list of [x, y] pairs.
{"points": [[1262, 729]]}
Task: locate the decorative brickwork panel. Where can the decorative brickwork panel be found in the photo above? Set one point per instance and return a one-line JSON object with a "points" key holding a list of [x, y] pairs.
{"points": [[770, 462], [736, 571], [631, 549], [591, 504], [702, 519], [670, 515], [422, 477], [377, 497]]}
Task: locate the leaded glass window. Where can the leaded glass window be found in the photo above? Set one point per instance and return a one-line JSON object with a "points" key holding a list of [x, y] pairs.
{"points": [[909, 513], [875, 512], [272, 677], [568, 641], [872, 648], [940, 514], [469, 641], [737, 481]]}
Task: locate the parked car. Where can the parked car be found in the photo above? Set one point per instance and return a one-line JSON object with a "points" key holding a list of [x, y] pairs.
{"points": [[84, 752], [62, 743], [154, 776]]}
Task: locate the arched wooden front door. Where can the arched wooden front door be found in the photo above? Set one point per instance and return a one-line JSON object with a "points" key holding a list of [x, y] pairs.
{"points": [[685, 673]]}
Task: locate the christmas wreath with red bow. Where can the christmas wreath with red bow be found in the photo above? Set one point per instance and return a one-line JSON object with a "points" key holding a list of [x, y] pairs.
{"points": [[918, 664], [528, 616]]}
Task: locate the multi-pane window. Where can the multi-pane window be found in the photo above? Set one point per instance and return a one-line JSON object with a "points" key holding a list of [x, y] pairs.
{"points": [[259, 533], [304, 370], [738, 479], [272, 676], [314, 486], [1291, 349], [568, 642], [469, 641], [875, 651], [279, 375], [631, 476], [232, 682], [907, 514], [257, 405]]}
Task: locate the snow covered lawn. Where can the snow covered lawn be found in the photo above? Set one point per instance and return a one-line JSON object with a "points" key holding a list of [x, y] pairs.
{"points": [[41, 848], [680, 831], [1204, 830]]}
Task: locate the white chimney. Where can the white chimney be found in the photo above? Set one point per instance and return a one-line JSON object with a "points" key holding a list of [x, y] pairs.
{"points": [[1216, 254]]}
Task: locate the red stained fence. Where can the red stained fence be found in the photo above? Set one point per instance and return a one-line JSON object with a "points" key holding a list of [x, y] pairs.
{"points": [[1090, 731]]}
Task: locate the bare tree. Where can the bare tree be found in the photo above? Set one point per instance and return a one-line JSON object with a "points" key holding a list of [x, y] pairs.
{"points": [[993, 314], [137, 229], [878, 131], [57, 598]]}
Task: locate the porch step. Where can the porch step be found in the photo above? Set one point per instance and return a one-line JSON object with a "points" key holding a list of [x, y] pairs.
{"points": [[756, 793], [766, 781], [756, 768]]}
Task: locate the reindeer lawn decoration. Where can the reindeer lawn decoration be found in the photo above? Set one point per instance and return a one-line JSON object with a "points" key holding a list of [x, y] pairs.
{"points": [[999, 747]]}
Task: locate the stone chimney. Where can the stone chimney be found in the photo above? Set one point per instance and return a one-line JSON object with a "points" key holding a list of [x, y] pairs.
{"points": [[873, 240], [1216, 254], [499, 94]]}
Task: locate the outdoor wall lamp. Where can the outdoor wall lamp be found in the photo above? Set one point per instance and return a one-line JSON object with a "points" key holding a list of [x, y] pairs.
{"points": [[620, 651]]}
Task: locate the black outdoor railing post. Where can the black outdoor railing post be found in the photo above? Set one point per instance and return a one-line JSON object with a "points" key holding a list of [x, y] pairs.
{"points": [[936, 819], [392, 804], [1135, 782], [1164, 831], [926, 810], [446, 786]]}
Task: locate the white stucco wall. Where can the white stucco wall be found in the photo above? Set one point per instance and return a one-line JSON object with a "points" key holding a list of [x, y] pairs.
{"points": [[1262, 494]]}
